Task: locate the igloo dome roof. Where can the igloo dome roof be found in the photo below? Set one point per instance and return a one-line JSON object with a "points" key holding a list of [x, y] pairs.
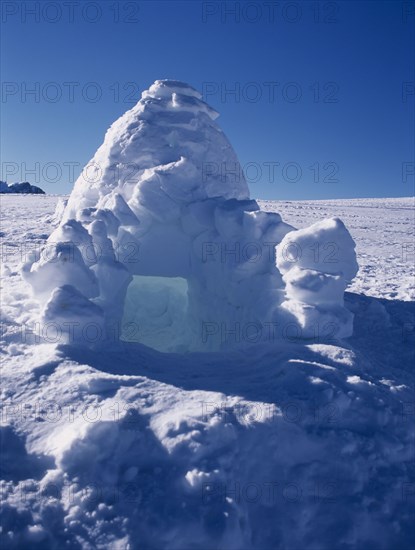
{"points": [[166, 150]]}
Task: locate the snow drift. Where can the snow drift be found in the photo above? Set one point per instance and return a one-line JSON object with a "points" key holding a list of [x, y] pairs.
{"points": [[160, 233]]}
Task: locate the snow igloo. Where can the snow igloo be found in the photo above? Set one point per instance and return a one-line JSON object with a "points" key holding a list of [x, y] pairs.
{"points": [[160, 243]]}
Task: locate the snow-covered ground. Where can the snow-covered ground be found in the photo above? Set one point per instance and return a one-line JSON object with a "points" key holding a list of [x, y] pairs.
{"points": [[283, 445]]}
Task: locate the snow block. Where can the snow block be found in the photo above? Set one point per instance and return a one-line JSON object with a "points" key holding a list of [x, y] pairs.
{"points": [[75, 319], [317, 263]]}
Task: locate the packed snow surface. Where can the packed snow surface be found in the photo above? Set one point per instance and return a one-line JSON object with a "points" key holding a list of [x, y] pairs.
{"points": [[288, 444]]}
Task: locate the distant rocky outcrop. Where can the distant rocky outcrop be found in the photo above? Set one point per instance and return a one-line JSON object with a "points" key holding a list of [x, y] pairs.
{"points": [[23, 187]]}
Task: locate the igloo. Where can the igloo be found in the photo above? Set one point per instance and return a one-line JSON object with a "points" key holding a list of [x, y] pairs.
{"points": [[160, 243]]}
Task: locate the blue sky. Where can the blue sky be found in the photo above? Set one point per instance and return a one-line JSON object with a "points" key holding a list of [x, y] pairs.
{"points": [[323, 102]]}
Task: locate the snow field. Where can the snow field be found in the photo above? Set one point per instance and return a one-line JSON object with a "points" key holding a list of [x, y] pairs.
{"points": [[283, 445]]}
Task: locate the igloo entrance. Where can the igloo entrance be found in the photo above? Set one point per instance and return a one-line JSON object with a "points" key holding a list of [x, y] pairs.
{"points": [[156, 313]]}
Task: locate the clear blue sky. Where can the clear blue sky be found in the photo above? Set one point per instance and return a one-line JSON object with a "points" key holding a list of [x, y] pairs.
{"points": [[338, 120]]}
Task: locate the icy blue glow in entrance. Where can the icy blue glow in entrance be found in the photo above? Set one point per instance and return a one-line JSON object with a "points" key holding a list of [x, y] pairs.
{"points": [[155, 313]]}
